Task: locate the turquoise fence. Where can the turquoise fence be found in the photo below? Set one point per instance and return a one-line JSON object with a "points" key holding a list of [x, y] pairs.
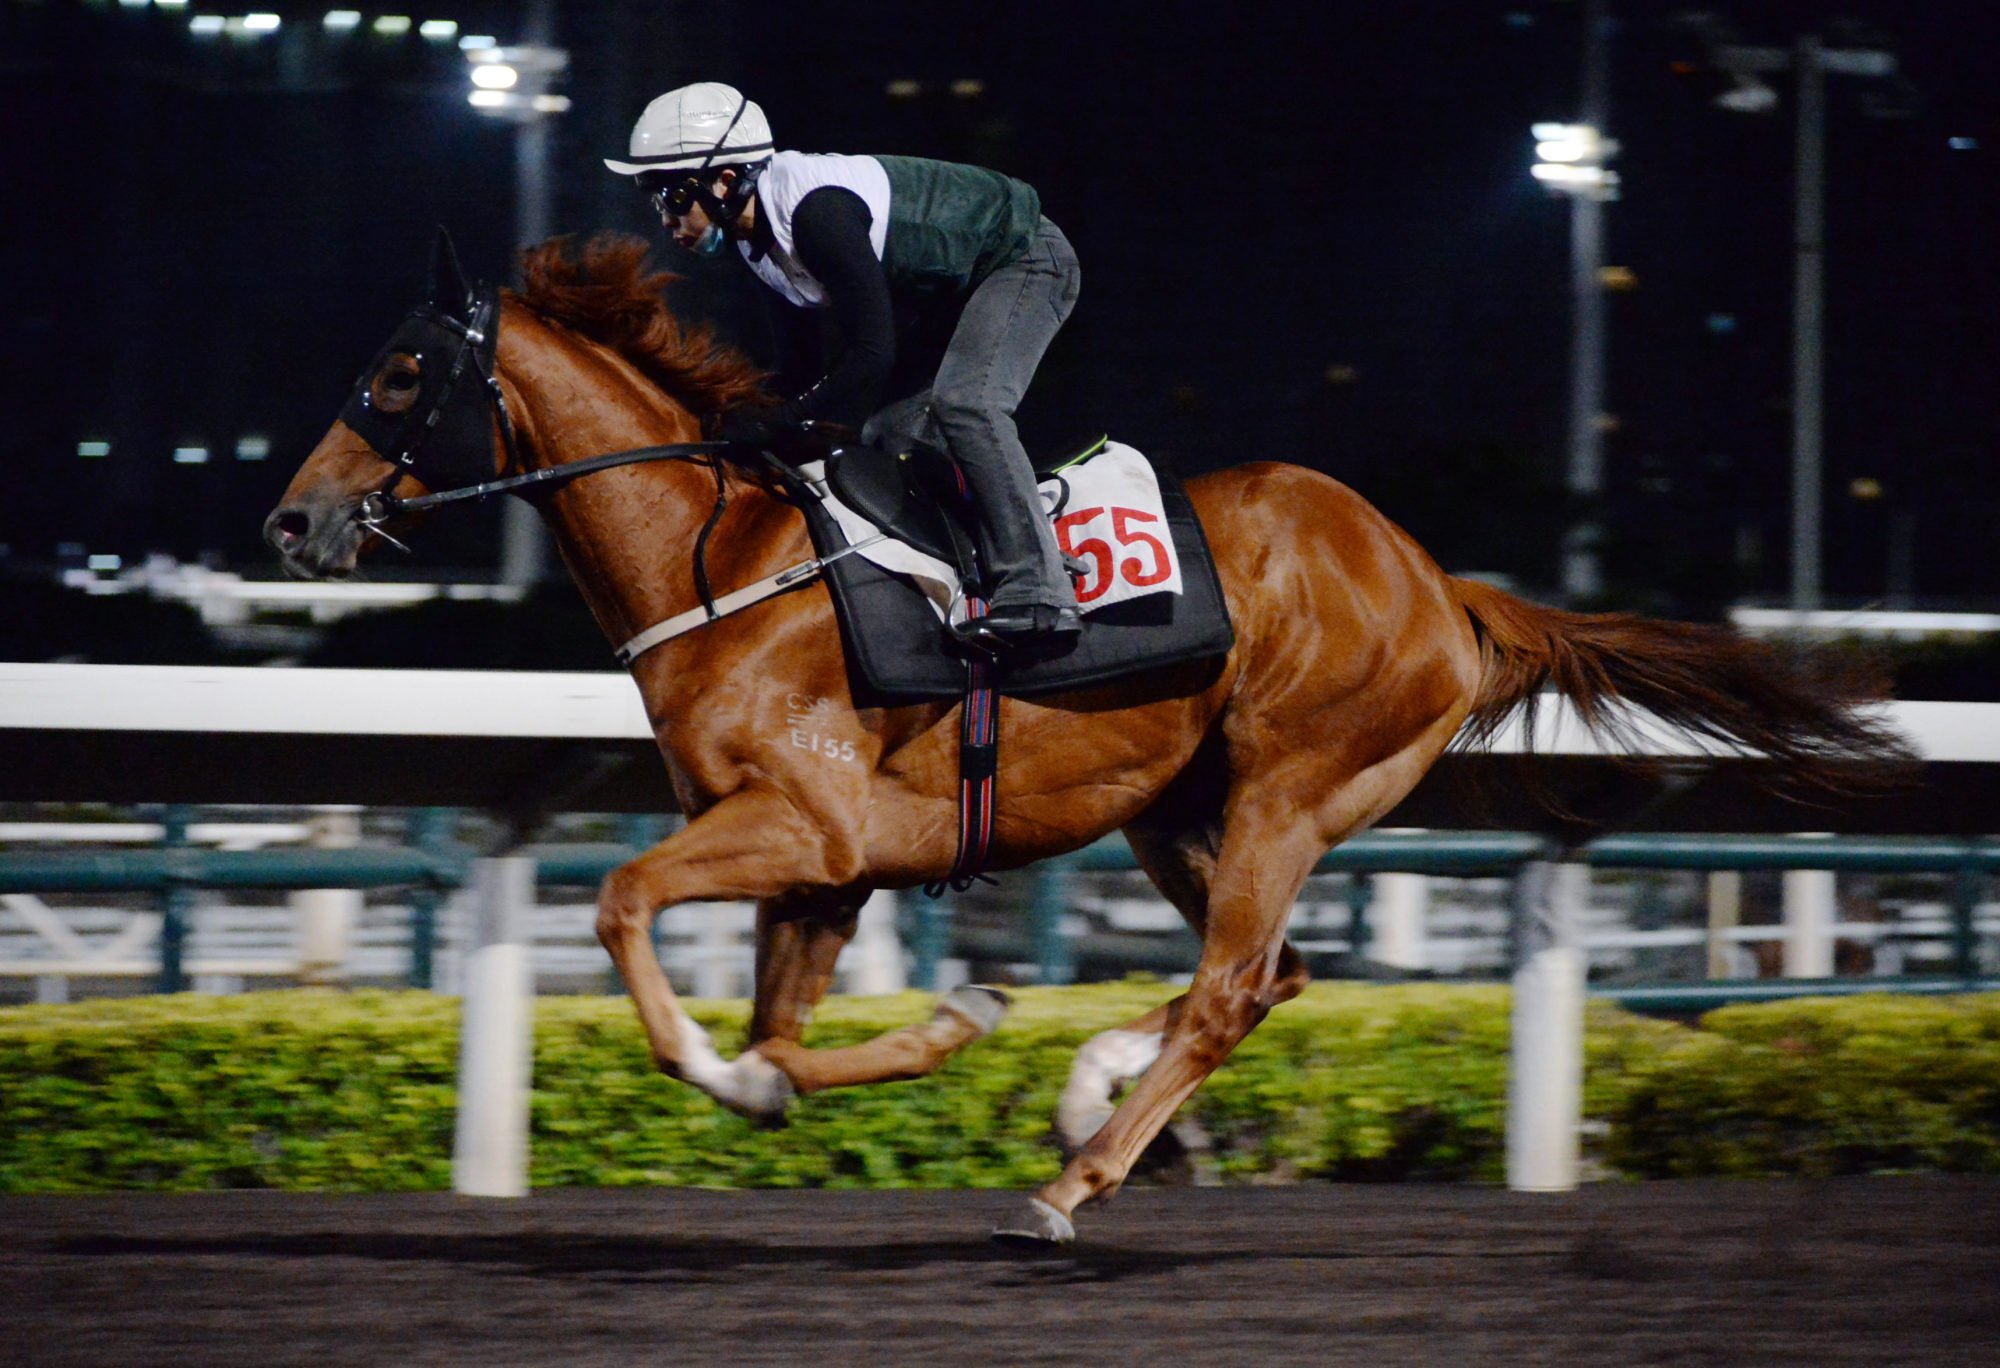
{"points": [[431, 865]]}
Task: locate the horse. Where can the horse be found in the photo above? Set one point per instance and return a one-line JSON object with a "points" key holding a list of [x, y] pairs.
{"points": [[1357, 662]]}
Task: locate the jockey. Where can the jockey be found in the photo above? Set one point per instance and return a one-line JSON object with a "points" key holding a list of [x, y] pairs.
{"points": [[900, 253]]}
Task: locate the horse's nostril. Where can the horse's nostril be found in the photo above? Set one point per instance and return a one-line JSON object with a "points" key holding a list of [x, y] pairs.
{"points": [[288, 527]]}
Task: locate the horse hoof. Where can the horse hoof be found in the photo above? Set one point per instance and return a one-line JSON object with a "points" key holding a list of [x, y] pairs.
{"points": [[763, 1092], [1041, 1227], [978, 1004]]}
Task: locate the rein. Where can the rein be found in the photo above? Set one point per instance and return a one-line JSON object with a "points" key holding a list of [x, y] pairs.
{"points": [[478, 347], [381, 506]]}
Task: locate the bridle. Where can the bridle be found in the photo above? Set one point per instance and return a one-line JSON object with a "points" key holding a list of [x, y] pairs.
{"points": [[445, 441], [444, 468], [452, 468]]}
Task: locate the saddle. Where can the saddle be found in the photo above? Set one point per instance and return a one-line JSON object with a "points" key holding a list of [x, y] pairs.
{"points": [[918, 497], [898, 651]]}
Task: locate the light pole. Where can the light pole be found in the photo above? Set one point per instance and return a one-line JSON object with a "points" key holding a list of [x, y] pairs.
{"points": [[1810, 61], [1571, 162], [512, 83]]}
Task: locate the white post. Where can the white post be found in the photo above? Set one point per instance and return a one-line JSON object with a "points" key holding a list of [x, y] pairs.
{"points": [[875, 956], [1725, 914], [1545, 1087], [715, 951], [325, 917], [490, 1150], [1809, 917], [1396, 912]]}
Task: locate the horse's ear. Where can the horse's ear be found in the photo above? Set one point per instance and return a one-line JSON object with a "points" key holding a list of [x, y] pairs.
{"points": [[450, 293]]}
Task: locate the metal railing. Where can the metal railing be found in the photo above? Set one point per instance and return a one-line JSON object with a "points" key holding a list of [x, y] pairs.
{"points": [[433, 865]]}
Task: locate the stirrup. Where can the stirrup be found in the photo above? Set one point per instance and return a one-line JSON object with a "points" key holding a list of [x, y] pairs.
{"points": [[1017, 628]]}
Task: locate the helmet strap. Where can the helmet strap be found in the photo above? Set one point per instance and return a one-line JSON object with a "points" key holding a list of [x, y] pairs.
{"points": [[725, 210], [730, 206]]}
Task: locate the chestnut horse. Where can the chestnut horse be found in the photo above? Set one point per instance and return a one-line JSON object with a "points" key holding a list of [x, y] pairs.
{"points": [[1357, 662]]}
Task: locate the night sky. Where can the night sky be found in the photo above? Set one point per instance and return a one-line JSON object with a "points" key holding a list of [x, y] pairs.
{"points": [[1307, 233]]}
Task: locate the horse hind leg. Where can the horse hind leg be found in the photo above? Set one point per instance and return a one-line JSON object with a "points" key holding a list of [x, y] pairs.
{"points": [[1273, 834], [1181, 862], [799, 937]]}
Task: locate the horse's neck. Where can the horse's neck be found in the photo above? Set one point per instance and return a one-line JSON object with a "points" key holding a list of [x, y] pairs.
{"points": [[627, 533]]}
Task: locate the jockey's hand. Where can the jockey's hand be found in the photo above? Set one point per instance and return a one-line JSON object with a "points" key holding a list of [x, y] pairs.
{"points": [[757, 427]]}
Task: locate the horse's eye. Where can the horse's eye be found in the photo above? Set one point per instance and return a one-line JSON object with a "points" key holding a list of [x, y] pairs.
{"points": [[395, 386]]}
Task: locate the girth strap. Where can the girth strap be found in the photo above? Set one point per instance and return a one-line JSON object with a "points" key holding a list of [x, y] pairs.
{"points": [[978, 764]]}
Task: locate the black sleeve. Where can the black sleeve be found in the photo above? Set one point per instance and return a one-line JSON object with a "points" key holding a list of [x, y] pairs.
{"points": [[830, 237], [796, 343]]}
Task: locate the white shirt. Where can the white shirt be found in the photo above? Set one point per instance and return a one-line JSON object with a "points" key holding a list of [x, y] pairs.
{"points": [[787, 180]]}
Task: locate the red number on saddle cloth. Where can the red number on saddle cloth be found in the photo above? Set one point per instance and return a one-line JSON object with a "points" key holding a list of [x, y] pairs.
{"points": [[1162, 567], [1098, 551], [1096, 548]]}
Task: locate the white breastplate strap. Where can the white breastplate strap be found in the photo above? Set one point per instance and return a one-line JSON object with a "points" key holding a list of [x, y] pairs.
{"points": [[769, 587]]}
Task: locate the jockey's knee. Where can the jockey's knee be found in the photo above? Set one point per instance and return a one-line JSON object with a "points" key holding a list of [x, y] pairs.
{"points": [[959, 416]]}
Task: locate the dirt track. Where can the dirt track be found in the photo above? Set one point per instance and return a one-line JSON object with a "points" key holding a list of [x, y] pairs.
{"points": [[1884, 1271]]}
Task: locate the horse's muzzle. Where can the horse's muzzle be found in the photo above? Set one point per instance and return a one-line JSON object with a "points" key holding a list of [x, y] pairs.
{"points": [[313, 543]]}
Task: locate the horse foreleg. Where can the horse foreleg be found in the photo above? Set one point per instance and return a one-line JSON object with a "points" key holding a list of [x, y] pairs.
{"points": [[752, 845], [798, 940]]}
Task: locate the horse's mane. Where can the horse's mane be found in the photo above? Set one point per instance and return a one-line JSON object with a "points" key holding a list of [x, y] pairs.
{"points": [[608, 294]]}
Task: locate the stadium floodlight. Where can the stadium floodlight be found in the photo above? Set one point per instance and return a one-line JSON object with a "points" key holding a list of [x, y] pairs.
{"points": [[340, 21], [1571, 160], [439, 30], [91, 450], [253, 447], [191, 455], [261, 23], [392, 25], [206, 24], [513, 82], [474, 42]]}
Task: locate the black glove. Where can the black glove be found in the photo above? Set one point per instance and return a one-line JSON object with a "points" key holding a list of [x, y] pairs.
{"points": [[758, 427]]}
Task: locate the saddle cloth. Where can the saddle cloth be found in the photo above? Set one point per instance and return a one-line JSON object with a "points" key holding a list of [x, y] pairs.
{"points": [[898, 649]]}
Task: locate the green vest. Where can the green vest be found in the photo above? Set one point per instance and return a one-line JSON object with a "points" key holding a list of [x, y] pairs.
{"points": [[951, 226]]}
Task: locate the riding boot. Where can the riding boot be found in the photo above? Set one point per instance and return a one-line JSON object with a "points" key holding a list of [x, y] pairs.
{"points": [[1030, 595]]}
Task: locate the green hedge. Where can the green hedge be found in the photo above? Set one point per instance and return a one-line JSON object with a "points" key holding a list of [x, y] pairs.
{"points": [[354, 1091]]}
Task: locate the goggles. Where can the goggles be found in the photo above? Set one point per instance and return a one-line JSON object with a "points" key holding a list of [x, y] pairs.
{"points": [[672, 199]]}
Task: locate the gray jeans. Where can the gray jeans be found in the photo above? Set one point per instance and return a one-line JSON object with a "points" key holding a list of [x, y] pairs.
{"points": [[1007, 325]]}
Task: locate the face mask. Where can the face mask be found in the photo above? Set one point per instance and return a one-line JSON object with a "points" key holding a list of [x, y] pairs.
{"points": [[709, 243]]}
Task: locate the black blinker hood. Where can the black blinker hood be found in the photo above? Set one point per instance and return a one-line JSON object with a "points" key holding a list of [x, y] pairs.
{"points": [[445, 437]]}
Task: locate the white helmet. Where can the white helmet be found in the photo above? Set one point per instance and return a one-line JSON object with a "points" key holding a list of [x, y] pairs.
{"points": [[697, 126]]}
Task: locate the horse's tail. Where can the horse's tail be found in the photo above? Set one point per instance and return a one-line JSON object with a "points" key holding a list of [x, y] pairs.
{"points": [[1704, 680]]}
